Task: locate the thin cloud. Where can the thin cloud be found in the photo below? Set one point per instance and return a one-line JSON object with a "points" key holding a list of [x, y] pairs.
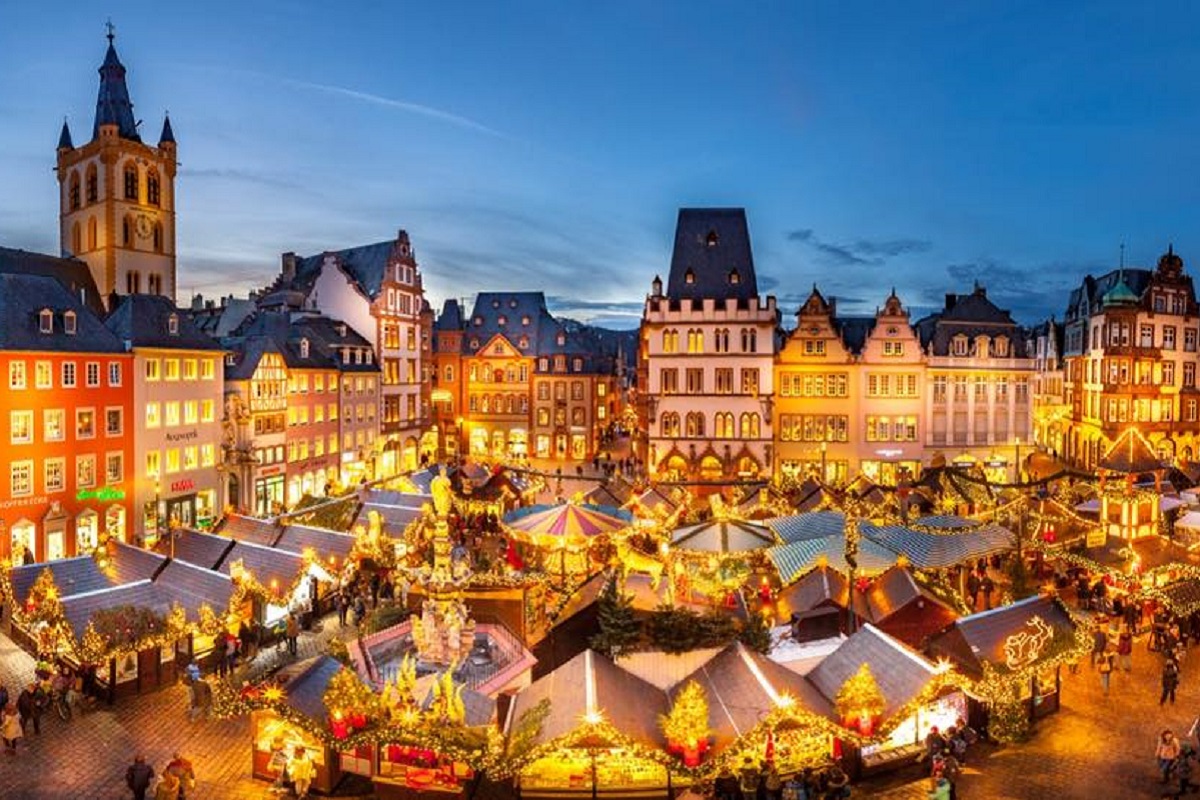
{"points": [[402, 105], [240, 176], [860, 252]]}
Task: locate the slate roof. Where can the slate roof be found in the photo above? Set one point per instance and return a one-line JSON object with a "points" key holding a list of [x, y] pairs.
{"points": [[143, 321], [970, 315], [224, 318], [451, 318], [247, 352], [71, 576], [980, 638], [741, 685], [1088, 297], [900, 673], [513, 308], [326, 334], [854, 331], [113, 106], [23, 296], [366, 265], [64, 138], [712, 243]]}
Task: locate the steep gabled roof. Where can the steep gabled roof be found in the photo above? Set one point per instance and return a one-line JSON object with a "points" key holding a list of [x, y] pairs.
{"points": [[1020, 631], [900, 673], [713, 245], [1131, 454], [366, 266], [143, 320], [73, 274], [23, 297]]}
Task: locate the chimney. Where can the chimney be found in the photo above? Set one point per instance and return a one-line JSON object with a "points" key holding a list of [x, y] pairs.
{"points": [[289, 266], [951, 299], [197, 302]]}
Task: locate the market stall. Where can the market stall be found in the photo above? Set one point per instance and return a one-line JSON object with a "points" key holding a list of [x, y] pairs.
{"points": [[565, 532], [586, 729], [1014, 656], [886, 693]]}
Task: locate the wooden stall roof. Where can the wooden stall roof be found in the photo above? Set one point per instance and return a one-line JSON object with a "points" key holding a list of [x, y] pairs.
{"points": [[249, 529], [900, 672], [267, 564], [192, 586], [892, 591], [324, 542], [590, 682], [742, 685], [982, 638], [202, 549], [80, 575], [79, 609], [723, 536]]}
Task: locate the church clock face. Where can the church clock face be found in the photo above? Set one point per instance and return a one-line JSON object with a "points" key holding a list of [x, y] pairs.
{"points": [[143, 226]]}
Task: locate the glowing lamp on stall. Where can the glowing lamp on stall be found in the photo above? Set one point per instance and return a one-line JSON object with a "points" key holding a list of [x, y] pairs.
{"points": [[785, 701], [273, 693], [942, 666], [594, 717]]}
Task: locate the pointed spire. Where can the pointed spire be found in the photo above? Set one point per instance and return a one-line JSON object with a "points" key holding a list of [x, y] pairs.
{"points": [[168, 135], [113, 106], [64, 138]]}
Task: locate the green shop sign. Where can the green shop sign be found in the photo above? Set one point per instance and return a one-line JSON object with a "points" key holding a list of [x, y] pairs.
{"points": [[107, 493]]}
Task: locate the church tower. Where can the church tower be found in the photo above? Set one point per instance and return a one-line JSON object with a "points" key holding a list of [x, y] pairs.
{"points": [[117, 194]]}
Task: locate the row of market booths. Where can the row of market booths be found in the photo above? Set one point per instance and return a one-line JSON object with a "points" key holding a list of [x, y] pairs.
{"points": [[651, 722], [138, 615]]}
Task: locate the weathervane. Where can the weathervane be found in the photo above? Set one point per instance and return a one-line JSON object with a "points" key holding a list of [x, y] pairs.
{"points": [[111, 29]]}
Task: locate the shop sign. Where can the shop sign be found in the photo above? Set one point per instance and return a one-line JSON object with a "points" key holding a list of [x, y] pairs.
{"points": [[187, 484], [1097, 536], [889, 453], [185, 436], [1025, 647], [106, 494], [268, 471], [24, 501]]}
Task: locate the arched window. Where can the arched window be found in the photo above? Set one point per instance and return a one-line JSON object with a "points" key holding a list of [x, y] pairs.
{"points": [[131, 182], [958, 345], [695, 424], [126, 231], [93, 184], [750, 426], [76, 239], [982, 346], [152, 189], [749, 340], [158, 237], [154, 283], [1001, 347], [449, 374], [695, 341], [670, 341], [487, 404], [724, 425], [91, 233], [73, 191], [133, 282], [670, 425]]}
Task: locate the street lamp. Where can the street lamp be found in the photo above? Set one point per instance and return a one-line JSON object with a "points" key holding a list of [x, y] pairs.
{"points": [[1018, 459], [824, 474]]}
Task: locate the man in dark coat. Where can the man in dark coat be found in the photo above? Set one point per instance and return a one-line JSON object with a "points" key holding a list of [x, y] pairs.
{"points": [[138, 777], [29, 708]]}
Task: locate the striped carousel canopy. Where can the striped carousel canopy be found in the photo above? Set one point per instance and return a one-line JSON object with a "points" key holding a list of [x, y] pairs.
{"points": [[573, 522], [723, 536]]}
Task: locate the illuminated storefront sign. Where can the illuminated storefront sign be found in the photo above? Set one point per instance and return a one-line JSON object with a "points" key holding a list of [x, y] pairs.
{"points": [[187, 484], [105, 494]]}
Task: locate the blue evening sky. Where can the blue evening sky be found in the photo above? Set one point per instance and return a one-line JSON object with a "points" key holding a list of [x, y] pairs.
{"points": [[548, 145]]}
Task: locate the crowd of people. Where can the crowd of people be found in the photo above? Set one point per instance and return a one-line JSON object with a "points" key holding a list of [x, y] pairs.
{"points": [[177, 779]]}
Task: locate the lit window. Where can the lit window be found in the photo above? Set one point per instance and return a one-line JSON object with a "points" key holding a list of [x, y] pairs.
{"points": [[21, 427], [190, 457], [54, 422], [189, 369], [85, 471], [43, 375], [172, 460], [69, 323], [191, 413], [114, 421], [153, 464], [114, 373], [171, 413], [16, 375], [208, 369], [153, 415], [171, 369], [92, 374], [152, 369], [20, 474], [85, 423], [207, 455], [46, 321], [55, 474], [114, 467], [206, 410]]}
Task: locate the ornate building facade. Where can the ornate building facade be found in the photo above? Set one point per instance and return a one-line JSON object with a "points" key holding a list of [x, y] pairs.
{"points": [[1130, 352], [706, 356]]}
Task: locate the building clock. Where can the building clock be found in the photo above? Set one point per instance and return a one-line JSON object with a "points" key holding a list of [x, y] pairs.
{"points": [[143, 226]]}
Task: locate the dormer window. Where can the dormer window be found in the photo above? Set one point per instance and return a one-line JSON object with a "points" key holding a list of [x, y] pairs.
{"points": [[495, 304], [523, 342], [368, 355], [341, 329], [230, 360], [525, 320], [958, 346], [69, 323], [712, 239], [474, 344], [562, 338], [304, 348], [1001, 347], [345, 355], [173, 324], [512, 303], [689, 277], [358, 356], [477, 321], [503, 320], [734, 277], [46, 321]]}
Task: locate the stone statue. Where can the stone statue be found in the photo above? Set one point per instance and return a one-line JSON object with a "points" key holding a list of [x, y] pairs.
{"points": [[443, 496]]}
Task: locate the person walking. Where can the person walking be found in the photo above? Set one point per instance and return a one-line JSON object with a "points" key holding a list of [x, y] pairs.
{"points": [[167, 789], [30, 709], [1099, 644], [987, 586], [1170, 681], [1107, 663], [973, 585], [138, 777], [184, 772], [1166, 752], [343, 606], [293, 631], [1125, 649], [300, 770], [10, 728]]}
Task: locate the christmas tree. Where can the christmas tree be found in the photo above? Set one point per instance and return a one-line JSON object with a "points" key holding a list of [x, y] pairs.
{"points": [[859, 702], [686, 726], [756, 634], [619, 629]]}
